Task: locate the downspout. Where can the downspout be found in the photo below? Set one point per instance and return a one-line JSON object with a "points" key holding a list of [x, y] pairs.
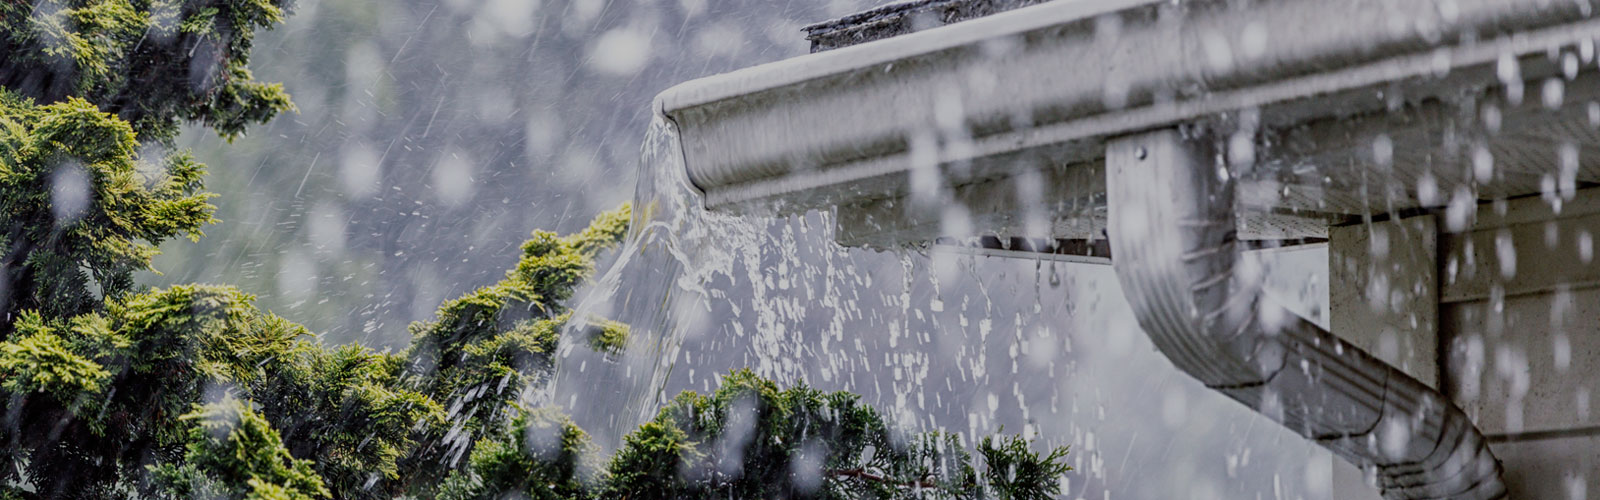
{"points": [[1172, 227]]}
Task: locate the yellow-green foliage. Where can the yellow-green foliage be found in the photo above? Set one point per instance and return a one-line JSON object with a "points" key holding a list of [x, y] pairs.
{"points": [[608, 336], [154, 63], [374, 424], [60, 254], [348, 406], [549, 270], [541, 455], [41, 362], [497, 339], [234, 453], [748, 439]]}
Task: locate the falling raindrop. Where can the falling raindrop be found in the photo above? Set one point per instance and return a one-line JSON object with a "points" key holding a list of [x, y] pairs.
{"points": [[1553, 92], [70, 193]]}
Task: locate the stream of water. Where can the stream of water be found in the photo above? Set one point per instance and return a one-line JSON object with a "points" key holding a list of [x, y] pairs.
{"points": [[658, 286]]}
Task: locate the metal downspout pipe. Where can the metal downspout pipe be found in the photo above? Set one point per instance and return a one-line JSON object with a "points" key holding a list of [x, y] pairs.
{"points": [[1172, 228]]}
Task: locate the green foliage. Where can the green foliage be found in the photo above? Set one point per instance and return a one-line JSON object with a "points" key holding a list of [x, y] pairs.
{"points": [[1015, 472], [104, 391], [41, 362], [541, 455], [59, 257], [484, 348], [152, 63], [441, 419], [608, 336], [752, 440], [348, 406], [233, 453], [14, 493]]}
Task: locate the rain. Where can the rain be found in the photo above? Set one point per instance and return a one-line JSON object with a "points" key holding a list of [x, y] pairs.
{"points": [[1212, 249]]}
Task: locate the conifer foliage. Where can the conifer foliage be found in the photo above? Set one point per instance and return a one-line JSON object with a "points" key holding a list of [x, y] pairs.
{"points": [[111, 390], [152, 63]]}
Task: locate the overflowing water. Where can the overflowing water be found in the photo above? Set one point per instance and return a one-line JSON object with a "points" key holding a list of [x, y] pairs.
{"points": [[668, 249], [935, 339]]}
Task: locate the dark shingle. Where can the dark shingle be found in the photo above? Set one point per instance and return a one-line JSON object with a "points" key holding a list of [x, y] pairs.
{"points": [[902, 17]]}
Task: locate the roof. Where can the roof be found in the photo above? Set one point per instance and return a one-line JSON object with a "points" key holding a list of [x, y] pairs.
{"points": [[901, 17]]}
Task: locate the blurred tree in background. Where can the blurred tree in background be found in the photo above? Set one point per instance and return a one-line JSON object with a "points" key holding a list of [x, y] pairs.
{"points": [[113, 390]]}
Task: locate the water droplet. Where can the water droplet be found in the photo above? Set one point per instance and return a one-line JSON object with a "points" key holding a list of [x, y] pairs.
{"points": [[70, 193]]}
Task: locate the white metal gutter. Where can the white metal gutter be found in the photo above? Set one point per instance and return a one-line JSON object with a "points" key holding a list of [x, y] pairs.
{"points": [[1059, 78]]}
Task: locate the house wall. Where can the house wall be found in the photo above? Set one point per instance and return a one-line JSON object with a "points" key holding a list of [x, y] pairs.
{"points": [[1383, 297], [1519, 332], [1504, 317]]}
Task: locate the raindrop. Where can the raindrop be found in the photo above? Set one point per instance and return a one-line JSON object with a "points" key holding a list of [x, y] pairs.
{"points": [[1562, 348], [1427, 190], [452, 179], [1506, 252], [1458, 216], [1254, 40], [807, 468], [1510, 73], [1241, 150], [620, 52], [325, 227], [1585, 246], [1219, 55], [297, 277], [1553, 93], [1396, 436], [1482, 163], [1568, 159], [925, 179], [359, 169], [1383, 151], [69, 193], [1577, 486]]}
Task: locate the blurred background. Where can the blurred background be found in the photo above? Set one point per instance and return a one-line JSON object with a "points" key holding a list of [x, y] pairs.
{"points": [[433, 136]]}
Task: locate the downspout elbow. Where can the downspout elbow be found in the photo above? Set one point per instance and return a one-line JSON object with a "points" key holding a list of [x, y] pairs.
{"points": [[1178, 259]]}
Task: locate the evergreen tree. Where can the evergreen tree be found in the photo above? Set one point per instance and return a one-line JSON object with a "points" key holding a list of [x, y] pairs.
{"points": [[152, 63], [110, 390]]}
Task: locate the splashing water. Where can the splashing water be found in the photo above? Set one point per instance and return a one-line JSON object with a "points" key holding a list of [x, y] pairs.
{"points": [[659, 287], [641, 289], [935, 340]]}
